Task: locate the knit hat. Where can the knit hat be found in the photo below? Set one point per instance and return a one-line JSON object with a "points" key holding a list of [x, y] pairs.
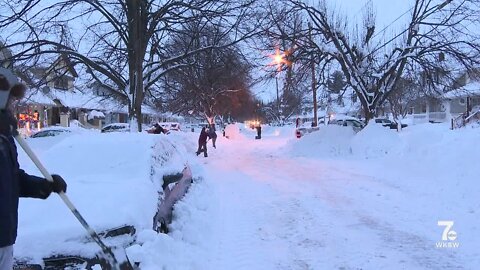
{"points": [[9, 86]]}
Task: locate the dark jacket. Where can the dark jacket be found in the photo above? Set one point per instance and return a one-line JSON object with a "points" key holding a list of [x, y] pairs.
{"points": [[15, 183], [158, 129], [211, 132], [203, 137]]}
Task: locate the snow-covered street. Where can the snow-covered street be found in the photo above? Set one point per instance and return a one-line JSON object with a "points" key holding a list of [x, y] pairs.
{"points": [[260, 208], [240, 135], [330, 200]]}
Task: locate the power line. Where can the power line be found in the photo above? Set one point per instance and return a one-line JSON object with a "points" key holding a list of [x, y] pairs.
{"points": [[404, 31], [390, 24], [362, 8]]}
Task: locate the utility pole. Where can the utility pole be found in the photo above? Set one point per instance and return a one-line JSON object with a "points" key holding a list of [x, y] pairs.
{"points": [[314, 83], [278, 99]]}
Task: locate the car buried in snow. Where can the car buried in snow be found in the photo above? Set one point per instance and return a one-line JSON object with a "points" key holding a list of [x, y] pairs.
{"points": [[388, 123], [50, 132], [116, 127], [354, 123]]}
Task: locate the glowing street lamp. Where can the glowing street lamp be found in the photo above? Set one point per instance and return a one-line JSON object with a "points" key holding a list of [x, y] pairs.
{"points": [[278, 59]]}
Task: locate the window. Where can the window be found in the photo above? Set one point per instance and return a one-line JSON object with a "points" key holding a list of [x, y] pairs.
{"points": [[424, 108], [462, 101], [61, 83]]}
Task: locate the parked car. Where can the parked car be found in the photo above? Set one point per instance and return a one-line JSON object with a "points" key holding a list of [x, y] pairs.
{"points": [[357, 125], [175, 126], [169, 126], [116, 127], [50, 132], [388, 123]]}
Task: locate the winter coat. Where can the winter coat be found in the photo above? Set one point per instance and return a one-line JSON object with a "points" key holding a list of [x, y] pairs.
{"points": [[212, 134], [15, 183], [158, 129], [203, 137]]}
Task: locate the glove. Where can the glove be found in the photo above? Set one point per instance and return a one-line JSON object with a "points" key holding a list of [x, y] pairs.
{"points": [[58, 184]]}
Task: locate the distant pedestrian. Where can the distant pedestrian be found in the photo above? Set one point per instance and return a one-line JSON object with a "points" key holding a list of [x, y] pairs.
{"points": [[157, 129], [259, 132], [202, 142], [212, 134]]}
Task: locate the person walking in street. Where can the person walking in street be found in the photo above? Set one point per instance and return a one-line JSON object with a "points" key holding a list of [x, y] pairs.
{"points": [[202, 142], [213, 135], [14, 182], [157, 129], [259, 131]]}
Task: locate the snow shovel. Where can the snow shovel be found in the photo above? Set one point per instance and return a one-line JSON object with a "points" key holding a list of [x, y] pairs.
{"points": [[117, 261]]}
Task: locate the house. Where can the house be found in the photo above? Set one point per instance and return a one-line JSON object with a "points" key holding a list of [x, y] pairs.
{"points": [[5, 56], [53, 98], [462, 99], [42, 105]]}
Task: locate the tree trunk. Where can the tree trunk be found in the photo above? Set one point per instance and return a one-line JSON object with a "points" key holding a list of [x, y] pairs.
{"points": [[369, 114], [136, 12]]}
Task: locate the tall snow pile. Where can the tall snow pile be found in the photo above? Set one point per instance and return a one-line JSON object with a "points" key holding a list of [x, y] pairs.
{"points": [[278, 131], [375, 141], [114, 179], [232, 131], [328, 141], [428, 141]]}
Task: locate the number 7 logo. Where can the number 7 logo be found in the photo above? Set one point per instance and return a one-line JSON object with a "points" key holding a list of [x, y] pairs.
{"points": [[448, 225]]}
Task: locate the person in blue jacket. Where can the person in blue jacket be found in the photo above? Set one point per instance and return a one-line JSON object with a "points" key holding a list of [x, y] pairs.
{"points": [[14, 182]]}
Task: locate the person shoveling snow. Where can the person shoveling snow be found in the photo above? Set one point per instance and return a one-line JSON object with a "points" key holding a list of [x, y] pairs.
{"points": [[14, 182]]}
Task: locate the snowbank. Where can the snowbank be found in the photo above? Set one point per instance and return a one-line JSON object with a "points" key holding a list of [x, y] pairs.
{"points": [[375, 141], [232, 131], [95, 114], [285, 131], [113, 179], [328, 141]]}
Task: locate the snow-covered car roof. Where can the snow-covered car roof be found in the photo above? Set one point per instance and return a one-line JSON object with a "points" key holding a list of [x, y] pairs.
{"points": [[343, 117], [116, 127], [50, 132]]}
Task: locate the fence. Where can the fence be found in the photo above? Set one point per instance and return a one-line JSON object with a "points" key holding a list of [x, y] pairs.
{"points": [[433, 117]]}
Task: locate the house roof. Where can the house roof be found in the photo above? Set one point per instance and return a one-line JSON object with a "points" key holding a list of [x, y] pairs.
{"points": [[68, 64], [78, 99], [471, 89]]}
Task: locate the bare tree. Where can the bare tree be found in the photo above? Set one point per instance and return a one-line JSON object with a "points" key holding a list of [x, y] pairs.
{"points": [[373, 66], [302, 66], [403, 96], [122, 44], [210, 83]]}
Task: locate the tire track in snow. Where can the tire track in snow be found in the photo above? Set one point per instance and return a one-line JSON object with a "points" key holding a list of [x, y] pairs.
{"points": [[287, 213], [235, 243]]}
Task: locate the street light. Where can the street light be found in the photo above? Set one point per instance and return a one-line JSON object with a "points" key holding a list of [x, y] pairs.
{"points": [[278, 59]]}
